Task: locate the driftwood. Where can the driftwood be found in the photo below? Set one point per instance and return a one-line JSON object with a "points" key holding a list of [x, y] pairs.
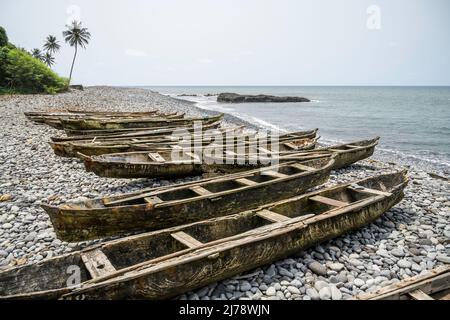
{"points": [[168, 262]]}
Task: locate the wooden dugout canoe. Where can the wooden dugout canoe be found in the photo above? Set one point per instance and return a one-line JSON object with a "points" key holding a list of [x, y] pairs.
{"points": [[83, 112], [166, 263], [179, 205], [346, 154], [430, 285], [143, 164], [291, 141], [107, 132], [56, 121], [103, 135], [92, 124]]}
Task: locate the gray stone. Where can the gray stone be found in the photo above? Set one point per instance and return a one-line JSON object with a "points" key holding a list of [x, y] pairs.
{"points": [[319, 284], [335, 293], [312, 293], [355, 262], [271, 291], [285, 272], [293, 290], [325, 293], [398, 252], [31, 236], [444, 259], [402, 263], [271, 272], [296, 283], [317, 268], [359, 282], [245, 286], [336, 266]]}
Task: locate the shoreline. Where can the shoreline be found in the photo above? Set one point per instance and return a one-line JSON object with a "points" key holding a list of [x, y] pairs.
{"points": [[431, 165], [410, 238]]}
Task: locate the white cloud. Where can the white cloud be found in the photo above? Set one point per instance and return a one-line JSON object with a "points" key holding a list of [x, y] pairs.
{"points": [[204, 60], [135, 53]]}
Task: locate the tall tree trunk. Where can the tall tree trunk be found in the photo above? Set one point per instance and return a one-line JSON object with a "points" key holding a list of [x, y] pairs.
{"points": [[73, 61]]}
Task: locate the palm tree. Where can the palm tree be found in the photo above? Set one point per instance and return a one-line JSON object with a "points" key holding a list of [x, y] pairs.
{"points": [[76, 36], [51, 44], [48, 59], [37, 53]]}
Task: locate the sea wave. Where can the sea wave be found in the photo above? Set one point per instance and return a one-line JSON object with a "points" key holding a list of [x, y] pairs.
{"points": [[427, 162]]}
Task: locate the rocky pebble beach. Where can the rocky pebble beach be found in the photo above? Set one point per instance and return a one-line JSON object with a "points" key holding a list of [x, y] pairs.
{"points": [[409, 239]]}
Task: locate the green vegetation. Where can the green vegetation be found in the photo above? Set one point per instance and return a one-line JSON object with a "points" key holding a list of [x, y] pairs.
{"points": [[29, 72], [24, 72], [3, 37]]}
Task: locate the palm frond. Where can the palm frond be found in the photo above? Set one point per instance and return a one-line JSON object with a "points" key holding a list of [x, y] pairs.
{"points": [[51, 45], [76, 35]]}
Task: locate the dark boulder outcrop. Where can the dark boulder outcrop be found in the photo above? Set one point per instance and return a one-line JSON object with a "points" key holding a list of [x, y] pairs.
{"points": [[238, 98], [76, 87]]}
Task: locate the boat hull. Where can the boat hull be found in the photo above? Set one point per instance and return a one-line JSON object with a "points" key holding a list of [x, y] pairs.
{"points": [[227, 260], [84, 224], [92, 124], [156, 265]]}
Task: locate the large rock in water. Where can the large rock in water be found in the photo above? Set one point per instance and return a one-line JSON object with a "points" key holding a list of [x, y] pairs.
{"points": [[236, 98]]}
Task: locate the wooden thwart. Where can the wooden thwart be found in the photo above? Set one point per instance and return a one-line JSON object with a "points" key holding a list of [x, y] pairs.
{"points": [[192, 155], [290, 145], [186, 239], [329, 201], [246, 182], [371, 191], [264, 150], [156, 157], [153, 200], [302, 167], [200, 191], [97, 263], [419, 295], [274, 174], [272, 216]]}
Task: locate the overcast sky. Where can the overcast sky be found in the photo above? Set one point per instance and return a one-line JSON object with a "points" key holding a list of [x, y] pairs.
{"points": [[244, 42]]}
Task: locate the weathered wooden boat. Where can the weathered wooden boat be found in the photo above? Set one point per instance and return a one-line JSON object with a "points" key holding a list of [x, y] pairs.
{"points": [[126, 144], [170, 164], [55, 121], [106, 132], [64, 112], [93, 124], [292, 144], [159, 209], [347, 154], [100, 135], [431, 285], [291, 141], [166, 263]]}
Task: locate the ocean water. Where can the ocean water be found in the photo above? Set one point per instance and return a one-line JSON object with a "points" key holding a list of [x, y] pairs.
{"points": [[413, 122]]}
